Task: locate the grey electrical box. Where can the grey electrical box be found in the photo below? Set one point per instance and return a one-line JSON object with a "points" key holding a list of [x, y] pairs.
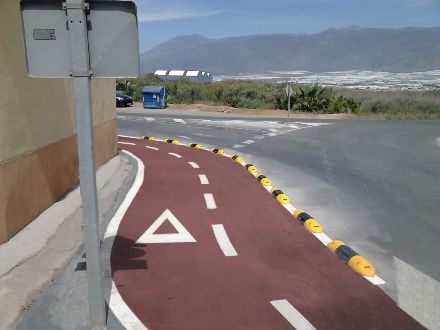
{"points": [[112, 33]]}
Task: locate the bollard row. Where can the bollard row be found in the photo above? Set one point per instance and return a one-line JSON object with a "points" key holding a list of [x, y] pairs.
{"points": [[355, 261]]}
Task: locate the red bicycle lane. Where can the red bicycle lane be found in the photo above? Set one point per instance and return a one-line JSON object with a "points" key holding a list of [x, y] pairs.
{"points": [[194, 285]]}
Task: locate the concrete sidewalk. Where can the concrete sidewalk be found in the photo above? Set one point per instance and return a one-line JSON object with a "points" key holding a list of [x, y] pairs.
{"points": [[32, 260]]}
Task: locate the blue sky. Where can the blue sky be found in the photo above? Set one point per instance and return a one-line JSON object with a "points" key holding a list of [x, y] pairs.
{"points": [[160, 20]]}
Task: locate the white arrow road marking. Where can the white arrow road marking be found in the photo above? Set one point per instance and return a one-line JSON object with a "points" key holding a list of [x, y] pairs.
{"points": [[181, 121], [152, 148], [210, 202], [129, 143], [203, 179], [290, 313], [194, 165], [175, 155], [182, 235], [223, 241]]}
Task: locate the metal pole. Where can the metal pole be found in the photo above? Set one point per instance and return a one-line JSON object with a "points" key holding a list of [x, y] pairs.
{"points": [[76, 14], [288, 101]]}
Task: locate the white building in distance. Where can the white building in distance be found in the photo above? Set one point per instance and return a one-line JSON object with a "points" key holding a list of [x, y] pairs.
{"points": [[194, 75]]}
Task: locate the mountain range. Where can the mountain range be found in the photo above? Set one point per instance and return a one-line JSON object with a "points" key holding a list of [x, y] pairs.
{"points": [[353, 48]]}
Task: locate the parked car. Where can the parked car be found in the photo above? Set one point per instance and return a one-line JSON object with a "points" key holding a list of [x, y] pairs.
{"points": [[123, 100]]}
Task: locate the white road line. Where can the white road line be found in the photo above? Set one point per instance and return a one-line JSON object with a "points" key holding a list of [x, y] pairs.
{"points": [[194, 165], [311, 124], [290, 313], [259, 137], [238, 146], [376, 280], [130, 137], [248, 142], [152, 148], [223, 241], [129, 143], [150, 119], [210, 202], [271, 134], [175, 155], [115, 301], [184, 137], [289, 207], [203, 179], [181, 121], [273, 130], [323, 238]]}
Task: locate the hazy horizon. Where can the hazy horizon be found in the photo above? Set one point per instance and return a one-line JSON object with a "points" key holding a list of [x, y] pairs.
{"points": [[160, 21]]}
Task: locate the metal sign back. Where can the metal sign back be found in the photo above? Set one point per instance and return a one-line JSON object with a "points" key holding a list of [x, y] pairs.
{"points": [[113, 48], [288, 89]]}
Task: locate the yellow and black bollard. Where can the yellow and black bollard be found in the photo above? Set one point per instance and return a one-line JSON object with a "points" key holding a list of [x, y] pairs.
{"points": [[251, 168], [171, 141], [280, 196], [264, 180], [237, 158], [149, 138], [358, 263], [218, 151], [195, 145], [307, 221]]}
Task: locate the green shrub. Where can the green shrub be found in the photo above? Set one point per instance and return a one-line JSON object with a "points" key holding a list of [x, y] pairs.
{"points": [[305, 98]]}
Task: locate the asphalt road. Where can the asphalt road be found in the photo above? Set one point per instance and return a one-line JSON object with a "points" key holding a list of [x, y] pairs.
{"points": [[373, 184]]}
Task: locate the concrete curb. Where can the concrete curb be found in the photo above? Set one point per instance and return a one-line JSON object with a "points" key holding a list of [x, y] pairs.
{"points": [[355, 261], [35, 257]]}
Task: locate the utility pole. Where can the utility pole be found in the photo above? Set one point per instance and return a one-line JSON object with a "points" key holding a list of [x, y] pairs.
{"points": [[81, 73]]}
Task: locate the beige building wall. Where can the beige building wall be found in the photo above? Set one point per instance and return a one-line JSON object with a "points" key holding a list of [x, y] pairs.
{"points": [[38, 157]]}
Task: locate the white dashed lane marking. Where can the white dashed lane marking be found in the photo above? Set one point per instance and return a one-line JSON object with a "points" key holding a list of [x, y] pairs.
{"points": [[203, 179], [185, 137], [175, 155], [180, 121], [130, 137], [210, 202], [149, 119], [194, 165], [238, 146], [291, 314], [224, 241], [249, 142], [152, 148], [128, 143]]}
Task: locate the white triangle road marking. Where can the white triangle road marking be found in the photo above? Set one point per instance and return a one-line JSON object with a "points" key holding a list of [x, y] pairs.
{"points": [[182, 235]]}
